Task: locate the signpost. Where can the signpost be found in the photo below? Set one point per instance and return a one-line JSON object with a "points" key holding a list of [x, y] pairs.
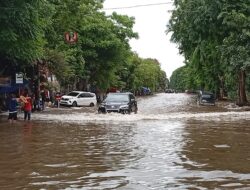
{"points": [[71, 38], [19, 80]]}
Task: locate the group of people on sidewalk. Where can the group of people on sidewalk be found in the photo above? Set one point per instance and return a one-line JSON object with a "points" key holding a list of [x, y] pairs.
{"points": [[25, 103]]}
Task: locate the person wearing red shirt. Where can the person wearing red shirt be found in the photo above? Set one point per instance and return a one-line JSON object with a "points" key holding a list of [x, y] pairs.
{"points": [[27, 107]]}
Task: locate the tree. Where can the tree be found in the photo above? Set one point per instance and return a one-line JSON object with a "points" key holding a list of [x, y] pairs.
{"points": [[22, 30], [149, 74], [179, 79], [197, 31], [102, 45], [206, 32], [236, 47]]}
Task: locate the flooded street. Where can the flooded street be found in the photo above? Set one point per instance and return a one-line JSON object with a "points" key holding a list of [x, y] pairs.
{"points": [[172, 143]]}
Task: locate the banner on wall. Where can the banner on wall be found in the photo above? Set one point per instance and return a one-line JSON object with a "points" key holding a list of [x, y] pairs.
{"points": [[5, 81]]}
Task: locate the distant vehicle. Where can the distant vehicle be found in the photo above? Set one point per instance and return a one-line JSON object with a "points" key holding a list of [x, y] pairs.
{"points": [[206, 98], [169, 91], [119, 102], [190, 92], [145, 91], [78, 98], [113, 89]]}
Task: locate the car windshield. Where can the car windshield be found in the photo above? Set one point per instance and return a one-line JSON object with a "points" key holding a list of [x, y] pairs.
{"points": [[73, 94], [117, 98]]}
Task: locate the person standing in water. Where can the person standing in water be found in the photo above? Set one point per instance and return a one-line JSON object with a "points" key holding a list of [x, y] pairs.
{"points": [[27, 108], [12, 107]]}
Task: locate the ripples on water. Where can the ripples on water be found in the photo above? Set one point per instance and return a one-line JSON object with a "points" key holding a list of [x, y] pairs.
{"points": [[157, 149]]}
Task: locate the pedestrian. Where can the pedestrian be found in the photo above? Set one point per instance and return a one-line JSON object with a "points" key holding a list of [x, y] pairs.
{"points": [[33, 98], [43, 98], [57, 99], [12, 107], [27, 108]]}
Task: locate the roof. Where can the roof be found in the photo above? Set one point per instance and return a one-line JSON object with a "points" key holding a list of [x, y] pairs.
{"points": [[120, 93], [205, 92], [79, 91]]}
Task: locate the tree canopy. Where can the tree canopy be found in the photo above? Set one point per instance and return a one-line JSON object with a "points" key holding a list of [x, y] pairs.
{"points": [[33, 33], [213, 36]]}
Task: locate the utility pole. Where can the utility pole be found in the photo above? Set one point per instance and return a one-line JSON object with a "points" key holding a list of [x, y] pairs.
{"points": [[38, 85]]}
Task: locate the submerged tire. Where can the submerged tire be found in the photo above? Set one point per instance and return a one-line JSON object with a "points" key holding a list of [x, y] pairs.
{"points": [[136, 110], [74, 104]]}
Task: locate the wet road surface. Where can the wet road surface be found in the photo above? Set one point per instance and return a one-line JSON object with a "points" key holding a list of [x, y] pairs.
{"points": [[172, 143]]}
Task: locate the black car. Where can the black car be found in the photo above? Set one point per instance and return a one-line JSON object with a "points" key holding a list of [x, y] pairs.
{"points": [[206, 98], [119, 102]]}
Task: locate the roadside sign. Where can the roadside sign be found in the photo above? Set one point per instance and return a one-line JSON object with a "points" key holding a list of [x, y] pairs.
{"points": [[19, 78], [70, 37]]}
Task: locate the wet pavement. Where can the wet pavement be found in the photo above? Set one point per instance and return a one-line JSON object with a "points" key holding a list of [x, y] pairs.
{"points": [[172, 143]]}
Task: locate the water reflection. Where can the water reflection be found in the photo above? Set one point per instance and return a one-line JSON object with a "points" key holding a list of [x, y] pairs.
{"points": [[59, 156], [217, 154], [27, 129]]}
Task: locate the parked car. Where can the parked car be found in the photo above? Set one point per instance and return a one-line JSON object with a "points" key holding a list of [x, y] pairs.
{"points": [[79, 98], [169, 91], [206, 98], [119, 102], [145, 91]]}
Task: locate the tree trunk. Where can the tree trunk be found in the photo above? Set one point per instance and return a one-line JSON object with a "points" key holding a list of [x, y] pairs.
{"points": [[221, 90], [242, 97]]}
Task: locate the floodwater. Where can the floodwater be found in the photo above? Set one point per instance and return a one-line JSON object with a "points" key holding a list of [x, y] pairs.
{"points": [[172, 143]]}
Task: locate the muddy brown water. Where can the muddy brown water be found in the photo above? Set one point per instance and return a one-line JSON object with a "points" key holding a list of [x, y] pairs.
{"points": [[172, 143]]}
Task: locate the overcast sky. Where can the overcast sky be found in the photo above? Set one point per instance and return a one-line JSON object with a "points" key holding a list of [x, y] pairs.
{"points": [[150, 23]]}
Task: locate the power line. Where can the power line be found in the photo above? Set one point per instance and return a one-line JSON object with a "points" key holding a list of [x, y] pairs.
{"points": [[136, 6], [112, 8]]}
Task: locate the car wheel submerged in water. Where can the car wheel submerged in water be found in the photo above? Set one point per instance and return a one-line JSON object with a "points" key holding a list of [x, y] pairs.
{"points": [[74, 104], [136, 109], [126, 111]]}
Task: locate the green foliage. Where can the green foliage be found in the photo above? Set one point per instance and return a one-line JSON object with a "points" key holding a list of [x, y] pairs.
{"points": [[214, 38], [149, 74], [236, 47], [33, 31], [179, 79], [22, 29], [103, 40], [197, 31]]}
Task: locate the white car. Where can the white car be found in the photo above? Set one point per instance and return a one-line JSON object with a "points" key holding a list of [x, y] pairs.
{"points": [[79, 98]]}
